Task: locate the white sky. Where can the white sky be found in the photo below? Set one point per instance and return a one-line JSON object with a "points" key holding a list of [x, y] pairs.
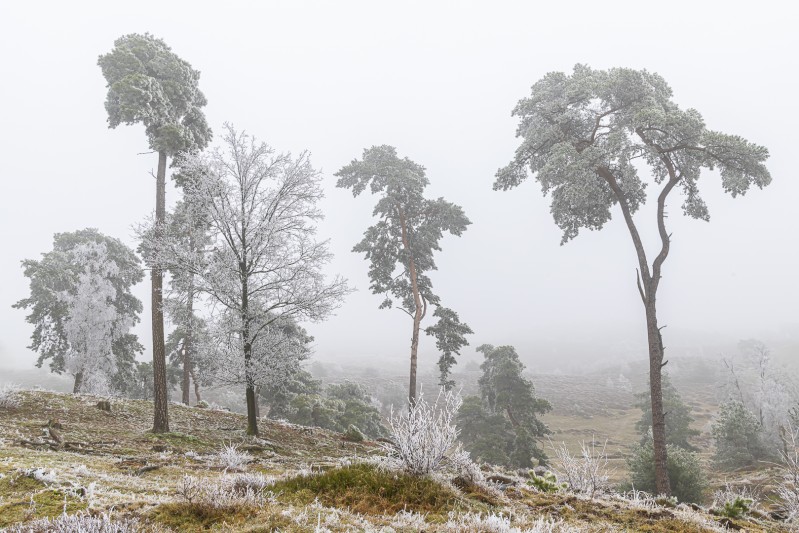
{"points": [[437, 80]]}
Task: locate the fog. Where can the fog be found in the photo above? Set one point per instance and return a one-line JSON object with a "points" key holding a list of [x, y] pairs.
{"points": [[438, 80]]}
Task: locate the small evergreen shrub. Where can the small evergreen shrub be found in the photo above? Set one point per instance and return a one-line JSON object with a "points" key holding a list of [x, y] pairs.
{"points": [[738, 436], [546, 482], [353, 434], [685, 473]]}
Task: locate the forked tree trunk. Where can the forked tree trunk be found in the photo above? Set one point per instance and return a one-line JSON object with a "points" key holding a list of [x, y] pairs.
{"points": [[160, 398], [648, 282]]}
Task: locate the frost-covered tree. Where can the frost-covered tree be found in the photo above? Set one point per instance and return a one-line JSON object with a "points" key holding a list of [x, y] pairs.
{"points": [[585, 136], [502, 425], [82, 308], [400, 247], [763, 387], [340, 406], [263, 269], [149, 84], [189, 229]]}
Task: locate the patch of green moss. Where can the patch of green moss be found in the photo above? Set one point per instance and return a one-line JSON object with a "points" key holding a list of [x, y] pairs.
{"points": [[365, 489], [43, 504], [199, 516]]}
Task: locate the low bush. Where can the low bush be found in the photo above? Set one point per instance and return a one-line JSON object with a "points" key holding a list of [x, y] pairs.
{"points": [[586, 473], [685, 473], [79, 523], [738, 436], [424, 436]]}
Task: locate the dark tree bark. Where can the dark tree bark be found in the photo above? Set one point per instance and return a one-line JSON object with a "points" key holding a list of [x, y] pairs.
{"points": [[78, 383], [252, 415], [160, 393]]}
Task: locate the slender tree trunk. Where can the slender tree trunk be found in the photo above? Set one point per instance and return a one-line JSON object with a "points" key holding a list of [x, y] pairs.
{"points": [[648, 282], [187, 344], [186, 378], [662, 485], [419, 311], [252, 416], [78, 383], [196, 386], [160, 394]]}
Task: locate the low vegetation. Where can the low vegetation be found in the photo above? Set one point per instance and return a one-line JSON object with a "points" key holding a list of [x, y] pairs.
{"points": [[109, 473]]}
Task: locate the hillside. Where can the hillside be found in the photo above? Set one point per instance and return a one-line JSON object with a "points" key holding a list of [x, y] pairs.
{"points": [[61, 453]]}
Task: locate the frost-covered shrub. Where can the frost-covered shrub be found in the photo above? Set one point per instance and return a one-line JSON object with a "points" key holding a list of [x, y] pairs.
{"points": [[9, 397], [586, 473], [733, 502], [464, 467], [230, 491], [231, 458], [423, 436], [501, 523], [78, 523], [42, 475], [788, 487], [685, 473], [738, 436]]}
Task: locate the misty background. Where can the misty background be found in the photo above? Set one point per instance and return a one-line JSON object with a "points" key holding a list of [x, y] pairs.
{"points": [[438, 80]]}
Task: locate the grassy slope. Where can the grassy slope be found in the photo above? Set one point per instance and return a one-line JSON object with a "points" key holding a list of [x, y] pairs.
{"points": [[115, 451]]}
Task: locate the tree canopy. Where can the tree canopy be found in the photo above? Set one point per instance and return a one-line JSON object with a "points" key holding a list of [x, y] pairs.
{"points": [[149, 84], [582, 134]]}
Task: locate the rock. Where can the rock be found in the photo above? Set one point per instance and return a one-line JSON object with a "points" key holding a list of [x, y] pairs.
{"points": [[500, 479]]}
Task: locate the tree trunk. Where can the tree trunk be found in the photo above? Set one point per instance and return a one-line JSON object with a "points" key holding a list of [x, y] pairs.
{"points": [[252, 417], [419, 312], [196, 386], [185, 382], [187, 344], [160, 395], [662, 485], [78, 383]]}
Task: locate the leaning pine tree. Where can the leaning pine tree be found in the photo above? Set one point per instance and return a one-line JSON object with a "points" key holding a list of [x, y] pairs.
{"points": [[400, 247], [581, 135], [149, 84]]}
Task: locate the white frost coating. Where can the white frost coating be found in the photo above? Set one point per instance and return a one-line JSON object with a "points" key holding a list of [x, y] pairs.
{"points": [[93, 323]]}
